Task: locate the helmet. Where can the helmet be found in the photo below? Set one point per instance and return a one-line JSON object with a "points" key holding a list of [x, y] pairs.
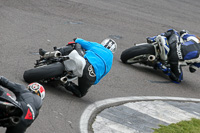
{"points": [[37, 89], [109, 44], [183, 32]]}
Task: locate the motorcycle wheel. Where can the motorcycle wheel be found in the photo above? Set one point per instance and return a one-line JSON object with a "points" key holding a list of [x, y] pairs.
{"points": [[44, 72], [133, 54]]}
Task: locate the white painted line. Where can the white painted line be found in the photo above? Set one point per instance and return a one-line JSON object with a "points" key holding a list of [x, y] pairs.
{"points": [[196, 113], [161, 111], [103, 125]]}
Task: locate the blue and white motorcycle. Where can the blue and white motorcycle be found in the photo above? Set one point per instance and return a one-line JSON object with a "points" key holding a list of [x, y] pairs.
{"points": [[150, 54]]}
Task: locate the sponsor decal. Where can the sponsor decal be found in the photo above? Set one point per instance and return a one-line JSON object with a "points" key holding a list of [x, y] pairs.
{"points": [[30, 113], [178, 46], [91, 71]]}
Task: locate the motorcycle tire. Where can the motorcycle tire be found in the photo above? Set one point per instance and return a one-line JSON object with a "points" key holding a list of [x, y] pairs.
{"points": [[44, 72], [131, 55]]}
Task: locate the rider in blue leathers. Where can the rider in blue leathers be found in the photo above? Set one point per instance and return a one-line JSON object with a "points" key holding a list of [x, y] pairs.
{"points": [[183, 47], [98, 58]]}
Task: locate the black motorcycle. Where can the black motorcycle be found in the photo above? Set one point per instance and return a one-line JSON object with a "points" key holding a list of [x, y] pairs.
{"points": [[53, 66]]}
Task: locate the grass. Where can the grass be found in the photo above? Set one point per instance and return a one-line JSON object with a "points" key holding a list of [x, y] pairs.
{"points": [[191, 126]]}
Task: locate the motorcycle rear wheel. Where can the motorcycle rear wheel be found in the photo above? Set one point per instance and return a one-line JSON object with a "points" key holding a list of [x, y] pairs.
{"points": [[133, 54], [44, 72]]}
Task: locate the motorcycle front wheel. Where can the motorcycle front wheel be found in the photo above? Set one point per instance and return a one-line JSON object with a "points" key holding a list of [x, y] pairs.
{"points": [[134, 54], [44, 72]]}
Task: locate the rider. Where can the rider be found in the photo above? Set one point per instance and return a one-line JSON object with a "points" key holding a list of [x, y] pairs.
{"points": [[29, 101], [98, 59], [182, 47]]}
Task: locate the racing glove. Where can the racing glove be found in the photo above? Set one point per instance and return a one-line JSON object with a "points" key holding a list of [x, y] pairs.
{"points": [[151, 39], [75, 39]]}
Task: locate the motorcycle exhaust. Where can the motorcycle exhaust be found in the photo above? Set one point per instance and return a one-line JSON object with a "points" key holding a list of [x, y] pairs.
{"points": [[151, 58], [64, 79], [52, 54]]}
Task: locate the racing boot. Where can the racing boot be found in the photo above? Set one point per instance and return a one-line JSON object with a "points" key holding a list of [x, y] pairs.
{"points": [[192, 68], [70, 86]]}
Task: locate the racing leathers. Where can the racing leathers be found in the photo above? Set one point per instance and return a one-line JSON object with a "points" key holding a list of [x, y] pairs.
{"points": [[183, 47], [98, 63], [26, 101]]}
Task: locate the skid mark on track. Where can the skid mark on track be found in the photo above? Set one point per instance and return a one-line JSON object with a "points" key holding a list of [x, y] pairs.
{"points": [[162, 82]]}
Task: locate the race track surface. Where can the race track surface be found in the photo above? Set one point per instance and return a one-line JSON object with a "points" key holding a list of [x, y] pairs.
{"points": [[26, 26]]}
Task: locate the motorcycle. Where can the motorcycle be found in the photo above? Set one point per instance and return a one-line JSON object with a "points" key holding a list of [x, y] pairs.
{"points": [[53, 66], [150, 54]]}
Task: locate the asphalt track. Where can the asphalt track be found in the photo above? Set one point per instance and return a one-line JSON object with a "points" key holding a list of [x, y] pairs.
{"points": [[26, 26]]}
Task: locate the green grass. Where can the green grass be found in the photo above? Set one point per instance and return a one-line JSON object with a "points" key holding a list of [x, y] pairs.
{"points": [[192, 126]]}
